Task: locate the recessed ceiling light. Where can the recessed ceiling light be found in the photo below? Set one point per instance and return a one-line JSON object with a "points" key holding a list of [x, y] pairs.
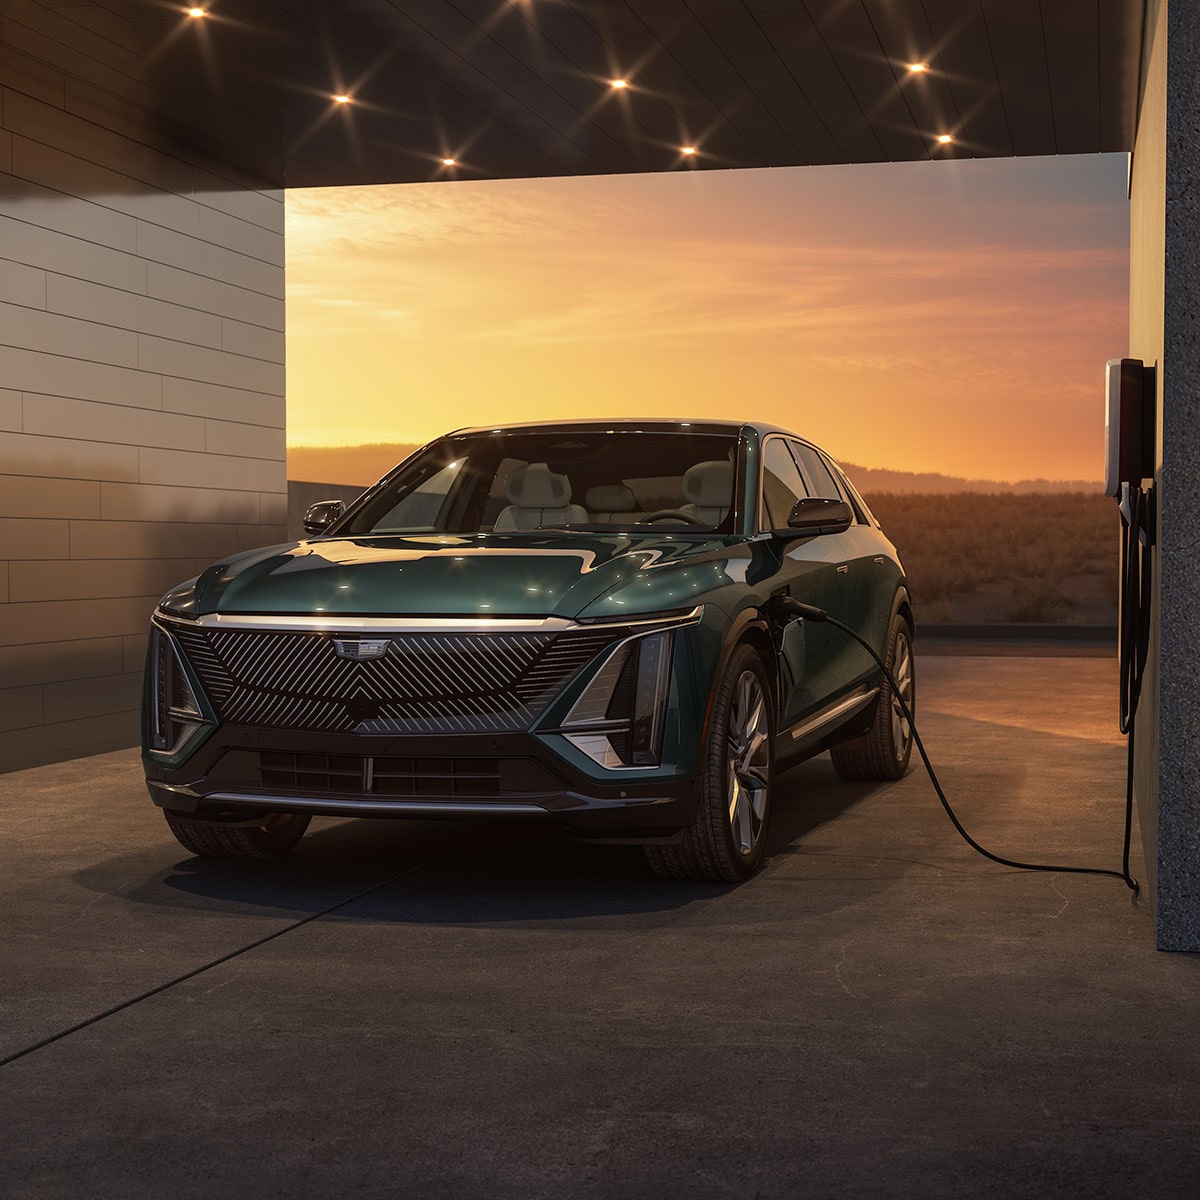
{"points": [[917, 68], [688, 150], [341, 98], [619, 83], [944, 139], [196, 12], [449, 162]]}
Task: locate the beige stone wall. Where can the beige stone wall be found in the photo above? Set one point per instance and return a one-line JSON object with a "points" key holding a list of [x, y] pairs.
{"points": [[1147, 193], [141, 398]]}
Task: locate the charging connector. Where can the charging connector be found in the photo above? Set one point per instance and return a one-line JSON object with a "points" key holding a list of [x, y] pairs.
{"points": [[808, 612]]}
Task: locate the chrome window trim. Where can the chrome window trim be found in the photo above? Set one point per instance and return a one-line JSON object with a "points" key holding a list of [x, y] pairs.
{"points": [[344, 624], [761, 507]]}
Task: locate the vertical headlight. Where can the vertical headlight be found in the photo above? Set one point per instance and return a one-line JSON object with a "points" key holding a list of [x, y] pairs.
{"points": [[619, 719], [652, 679], [173, 709]]}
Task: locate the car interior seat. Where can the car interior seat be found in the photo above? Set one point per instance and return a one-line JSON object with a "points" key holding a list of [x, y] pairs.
{"points": [[708, 490], [538, 496], [612, 504]]}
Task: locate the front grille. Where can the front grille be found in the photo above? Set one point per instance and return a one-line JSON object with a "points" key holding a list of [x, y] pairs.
{"points": [[383, 775], [427, 683]]}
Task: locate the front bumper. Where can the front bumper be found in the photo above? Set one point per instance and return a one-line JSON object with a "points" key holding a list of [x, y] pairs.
{"points": [[240, 771]]}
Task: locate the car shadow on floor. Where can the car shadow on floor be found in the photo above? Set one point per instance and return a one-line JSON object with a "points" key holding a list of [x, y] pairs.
{"points": [[448, 871]]}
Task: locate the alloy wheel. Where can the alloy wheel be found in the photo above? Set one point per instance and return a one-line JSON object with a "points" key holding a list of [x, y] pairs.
{"points": [[902, 669], [749, 763]]}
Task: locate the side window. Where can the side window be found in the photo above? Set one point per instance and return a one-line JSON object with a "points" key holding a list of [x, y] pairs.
{"points": [[818, 474], [861, 511], [781, 486], [420, 509]]}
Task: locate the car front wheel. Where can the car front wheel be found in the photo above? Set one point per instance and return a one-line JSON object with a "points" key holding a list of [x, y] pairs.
{"points": [[725, 842]]}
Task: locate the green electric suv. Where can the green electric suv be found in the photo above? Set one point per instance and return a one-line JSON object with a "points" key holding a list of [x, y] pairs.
{"points": [[580, 622]]}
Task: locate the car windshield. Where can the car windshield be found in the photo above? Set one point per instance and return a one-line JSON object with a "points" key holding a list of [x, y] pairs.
{"points": [[510, 481]]}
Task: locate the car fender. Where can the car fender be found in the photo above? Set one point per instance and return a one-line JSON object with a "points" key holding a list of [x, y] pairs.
{"points": [[901, 599], [749, 621]]}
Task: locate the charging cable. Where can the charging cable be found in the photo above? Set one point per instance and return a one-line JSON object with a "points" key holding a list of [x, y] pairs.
{"points": [[793, 608]]}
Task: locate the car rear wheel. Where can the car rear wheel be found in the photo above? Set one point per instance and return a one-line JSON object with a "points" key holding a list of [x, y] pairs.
{"points": [[275, 837], [883, 752], [725, 842]]}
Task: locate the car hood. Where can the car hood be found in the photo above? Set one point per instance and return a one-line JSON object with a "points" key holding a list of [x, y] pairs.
{"points": [[477, 575]]}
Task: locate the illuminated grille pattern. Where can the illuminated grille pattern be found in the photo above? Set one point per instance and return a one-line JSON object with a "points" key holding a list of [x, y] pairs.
{"points": [[427, 683]]}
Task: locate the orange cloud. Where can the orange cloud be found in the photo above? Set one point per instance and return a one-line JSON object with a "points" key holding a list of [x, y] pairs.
{"points": [[951, 317]]}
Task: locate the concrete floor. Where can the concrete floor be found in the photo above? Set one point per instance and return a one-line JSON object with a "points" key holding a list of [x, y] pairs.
{"points": [[450, 1011]]}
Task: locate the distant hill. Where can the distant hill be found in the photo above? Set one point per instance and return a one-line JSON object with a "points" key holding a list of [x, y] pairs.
{"points": [[880, 479], [360, 466]]}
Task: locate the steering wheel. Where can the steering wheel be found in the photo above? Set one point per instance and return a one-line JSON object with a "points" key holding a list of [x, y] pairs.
{"points": [[676, 514]]}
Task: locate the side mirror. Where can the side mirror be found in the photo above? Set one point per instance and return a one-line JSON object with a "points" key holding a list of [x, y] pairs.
{"points": [[323, 514], [812, 516]]}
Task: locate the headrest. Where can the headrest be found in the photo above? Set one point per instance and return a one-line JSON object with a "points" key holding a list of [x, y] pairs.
{"points": [[536, 486], [709, 484], [610, 497]]}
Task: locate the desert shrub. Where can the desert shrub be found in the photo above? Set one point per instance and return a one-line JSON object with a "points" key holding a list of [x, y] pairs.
{"points": [[952, 544], [1038, 600]]}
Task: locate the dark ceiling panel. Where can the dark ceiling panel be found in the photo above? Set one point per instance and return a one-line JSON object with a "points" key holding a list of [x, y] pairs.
{"points": [[905, 37], [522, 87], [587, 111], [814, 68], [1014, 29], [702, 58], [964, 59], [851, 40], [1119, 68], [1072, 37], [589, 63], [756, 59], [658, 112], [391, 65], [517, 92], [701, 116]]}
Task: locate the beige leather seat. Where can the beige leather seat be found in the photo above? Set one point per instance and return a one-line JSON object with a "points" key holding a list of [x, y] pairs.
{"points": [[538, 496], [708, 490], [612, 504]]}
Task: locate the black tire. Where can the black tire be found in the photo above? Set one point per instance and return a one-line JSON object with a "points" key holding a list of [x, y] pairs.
{"points": [[274, 838], [725, 842], [883, 752]]}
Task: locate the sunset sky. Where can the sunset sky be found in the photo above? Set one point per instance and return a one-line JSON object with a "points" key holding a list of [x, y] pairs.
{"points": [[951, 316]]}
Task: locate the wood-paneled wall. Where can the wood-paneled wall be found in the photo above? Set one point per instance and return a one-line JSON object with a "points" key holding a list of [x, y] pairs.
{"points": [[141, 398]]}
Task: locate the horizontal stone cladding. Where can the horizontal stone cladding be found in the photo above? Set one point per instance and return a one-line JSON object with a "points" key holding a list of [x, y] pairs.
{"points": [[142, 408]]}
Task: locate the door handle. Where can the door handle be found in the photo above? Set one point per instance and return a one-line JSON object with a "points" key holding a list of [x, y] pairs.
{"points": [[843, 569]]}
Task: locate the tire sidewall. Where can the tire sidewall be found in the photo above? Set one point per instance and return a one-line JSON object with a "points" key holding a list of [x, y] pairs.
{"points": [[899, 632], [716, 796]]}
